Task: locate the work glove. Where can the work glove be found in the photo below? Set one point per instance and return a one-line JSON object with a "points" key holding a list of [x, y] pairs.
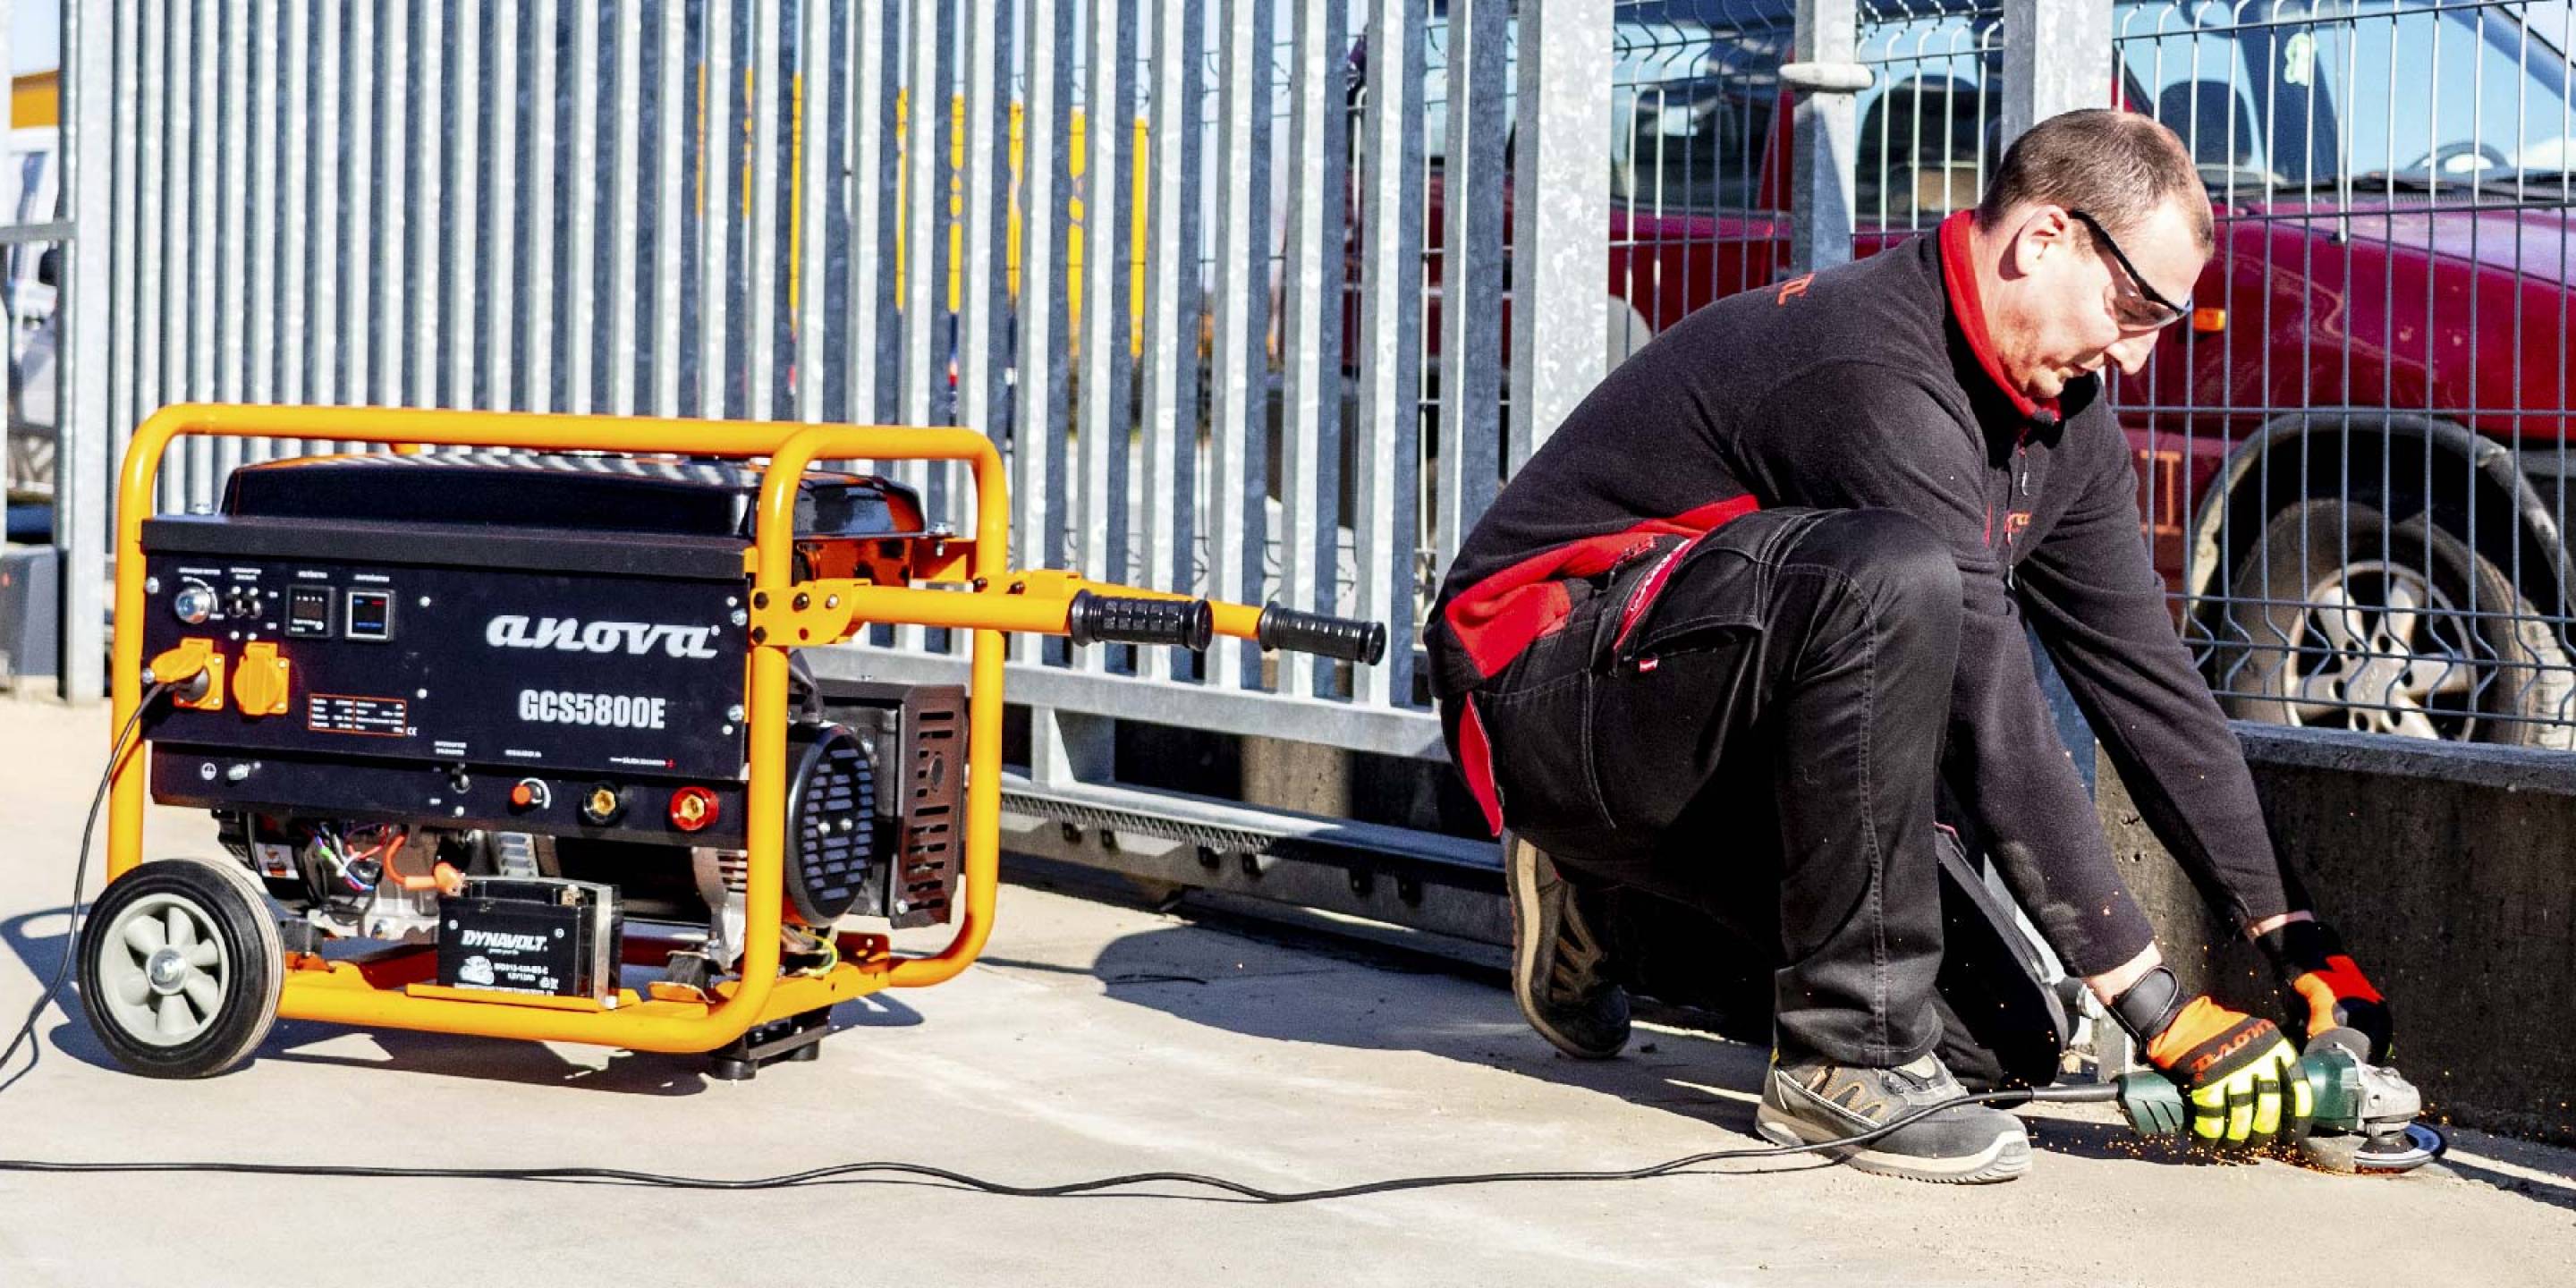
{"points": [[2236, 1071], [2312, 962]]}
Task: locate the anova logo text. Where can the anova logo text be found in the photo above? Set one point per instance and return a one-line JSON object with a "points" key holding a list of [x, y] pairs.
{"points": [[572, 635]]}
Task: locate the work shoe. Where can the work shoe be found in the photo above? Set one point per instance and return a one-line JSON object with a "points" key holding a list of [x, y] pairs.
{"points": [[1560, 961], [1812, 1099]]}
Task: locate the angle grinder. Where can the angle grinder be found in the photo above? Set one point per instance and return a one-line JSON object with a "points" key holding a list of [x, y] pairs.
{"points": [[2363, 1119]]}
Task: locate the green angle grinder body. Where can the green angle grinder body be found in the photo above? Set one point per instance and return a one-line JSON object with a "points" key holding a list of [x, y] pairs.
{"points": [[2362, 1119]]}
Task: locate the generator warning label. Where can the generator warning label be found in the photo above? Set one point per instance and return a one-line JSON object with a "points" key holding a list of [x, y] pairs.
{"points": [[341, 713]]}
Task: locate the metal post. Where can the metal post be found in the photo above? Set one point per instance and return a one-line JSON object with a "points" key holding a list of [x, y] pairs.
{"points": [[1471, 272], [2075, 72], [1560, 315], [1820, 168], [1388, 489], [1069, 747], [1171, 279], [2057, 58], [81, 483], [8, 24]]}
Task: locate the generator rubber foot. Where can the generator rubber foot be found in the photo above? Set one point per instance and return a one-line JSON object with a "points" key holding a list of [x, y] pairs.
{"points": [[798, 1037]]}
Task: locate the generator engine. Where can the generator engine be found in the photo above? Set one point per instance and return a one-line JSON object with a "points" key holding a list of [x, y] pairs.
{"points": [[493, 702]]}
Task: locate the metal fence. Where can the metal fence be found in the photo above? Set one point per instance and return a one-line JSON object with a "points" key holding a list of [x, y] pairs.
{"points": [[1224, 279], [2356, 461]]}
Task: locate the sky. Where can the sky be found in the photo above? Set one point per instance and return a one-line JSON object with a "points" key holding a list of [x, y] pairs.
{"points": [[37, 30], [35, 38]]}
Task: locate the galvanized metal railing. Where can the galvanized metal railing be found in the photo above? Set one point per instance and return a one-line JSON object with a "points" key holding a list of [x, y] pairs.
{"points": [[1151, 247]]}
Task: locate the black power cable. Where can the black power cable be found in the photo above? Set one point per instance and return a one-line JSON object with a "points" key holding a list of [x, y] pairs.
{"points": [[80, 874], [850, 1171], [844, 1172]]}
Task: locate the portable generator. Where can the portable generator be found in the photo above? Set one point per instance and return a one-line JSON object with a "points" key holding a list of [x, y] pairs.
{"points": [[514, 737]]}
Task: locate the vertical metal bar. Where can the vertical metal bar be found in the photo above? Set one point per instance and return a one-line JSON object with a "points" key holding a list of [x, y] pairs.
{"points": [[675, 118], [1239, 393], [922, 190], [393, 91], [2044, 73], [544, 205], [928, 74], [1390, 456], [205, 128], [256, 109], [581, 248], [233, 197], [815, 178], [871, 92], [176, 274], [178, 341], [761, 208], [501, 263], [1108, 106], [1037, 466], [122, 323], [1171, 237], [422, 279], [1471, 279], [82, 482], [150, 334], [1559, 260], [295, 122], [721, 93], [357, 179], [1311, 313], [465, 207], [625, 203], [985, 191], [1820, 167], [925, 174]]}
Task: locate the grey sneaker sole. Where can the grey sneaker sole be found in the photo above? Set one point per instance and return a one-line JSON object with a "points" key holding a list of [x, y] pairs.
{"points": [[1525, 950], [2007, 1158]]}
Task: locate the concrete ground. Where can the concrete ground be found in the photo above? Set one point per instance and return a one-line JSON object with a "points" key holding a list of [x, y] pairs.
{"points": [[1098, 1039]]}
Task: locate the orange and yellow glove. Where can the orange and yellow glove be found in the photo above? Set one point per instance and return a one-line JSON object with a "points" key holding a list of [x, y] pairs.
{"points": [[2238, 1073], [2311, 959]]}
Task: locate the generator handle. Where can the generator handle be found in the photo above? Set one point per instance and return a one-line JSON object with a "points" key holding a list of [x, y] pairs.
{"points": [[1090, 617], [1346, 638]]}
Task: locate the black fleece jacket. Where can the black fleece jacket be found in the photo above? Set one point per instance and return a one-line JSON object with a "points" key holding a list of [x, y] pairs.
{"points": [[1869, 385]]}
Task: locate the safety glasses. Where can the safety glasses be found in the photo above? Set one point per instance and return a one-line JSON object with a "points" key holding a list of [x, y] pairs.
{"points": [[2147, 311]]}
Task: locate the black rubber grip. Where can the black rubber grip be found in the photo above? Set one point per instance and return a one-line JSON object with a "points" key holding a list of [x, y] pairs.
{"points": [[1336, 637], [1117, 619]]}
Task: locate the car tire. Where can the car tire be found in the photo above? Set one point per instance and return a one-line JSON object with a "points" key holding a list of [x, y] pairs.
{"points": [[2339, 618]]}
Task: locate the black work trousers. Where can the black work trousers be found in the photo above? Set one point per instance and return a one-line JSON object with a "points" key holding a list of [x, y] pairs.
{"points": [[1752, 721]]}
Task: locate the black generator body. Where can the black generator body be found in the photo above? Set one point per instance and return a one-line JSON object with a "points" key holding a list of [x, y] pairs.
{"points": [[503, 670]]}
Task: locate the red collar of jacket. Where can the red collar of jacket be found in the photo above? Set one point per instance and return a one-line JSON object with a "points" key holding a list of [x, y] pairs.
{"points": [[1959, 278]]}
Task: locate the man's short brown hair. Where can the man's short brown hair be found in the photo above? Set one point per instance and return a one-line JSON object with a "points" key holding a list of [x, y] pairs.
{"points": [[2115, 166]]}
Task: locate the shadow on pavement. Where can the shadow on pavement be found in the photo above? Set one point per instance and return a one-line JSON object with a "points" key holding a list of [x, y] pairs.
{"points": [[1249, 977]]}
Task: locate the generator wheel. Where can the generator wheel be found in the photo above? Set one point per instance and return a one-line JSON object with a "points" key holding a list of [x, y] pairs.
{"points": [[180, 968]]}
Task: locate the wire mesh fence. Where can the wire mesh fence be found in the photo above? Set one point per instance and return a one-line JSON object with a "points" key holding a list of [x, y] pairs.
{"points": [[2352, 460]]}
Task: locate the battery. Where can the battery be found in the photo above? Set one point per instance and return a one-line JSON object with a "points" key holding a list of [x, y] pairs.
{"points": [[532, 935]]}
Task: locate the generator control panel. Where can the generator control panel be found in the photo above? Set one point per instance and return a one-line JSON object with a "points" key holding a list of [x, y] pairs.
{"points": [[602, 703]]}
